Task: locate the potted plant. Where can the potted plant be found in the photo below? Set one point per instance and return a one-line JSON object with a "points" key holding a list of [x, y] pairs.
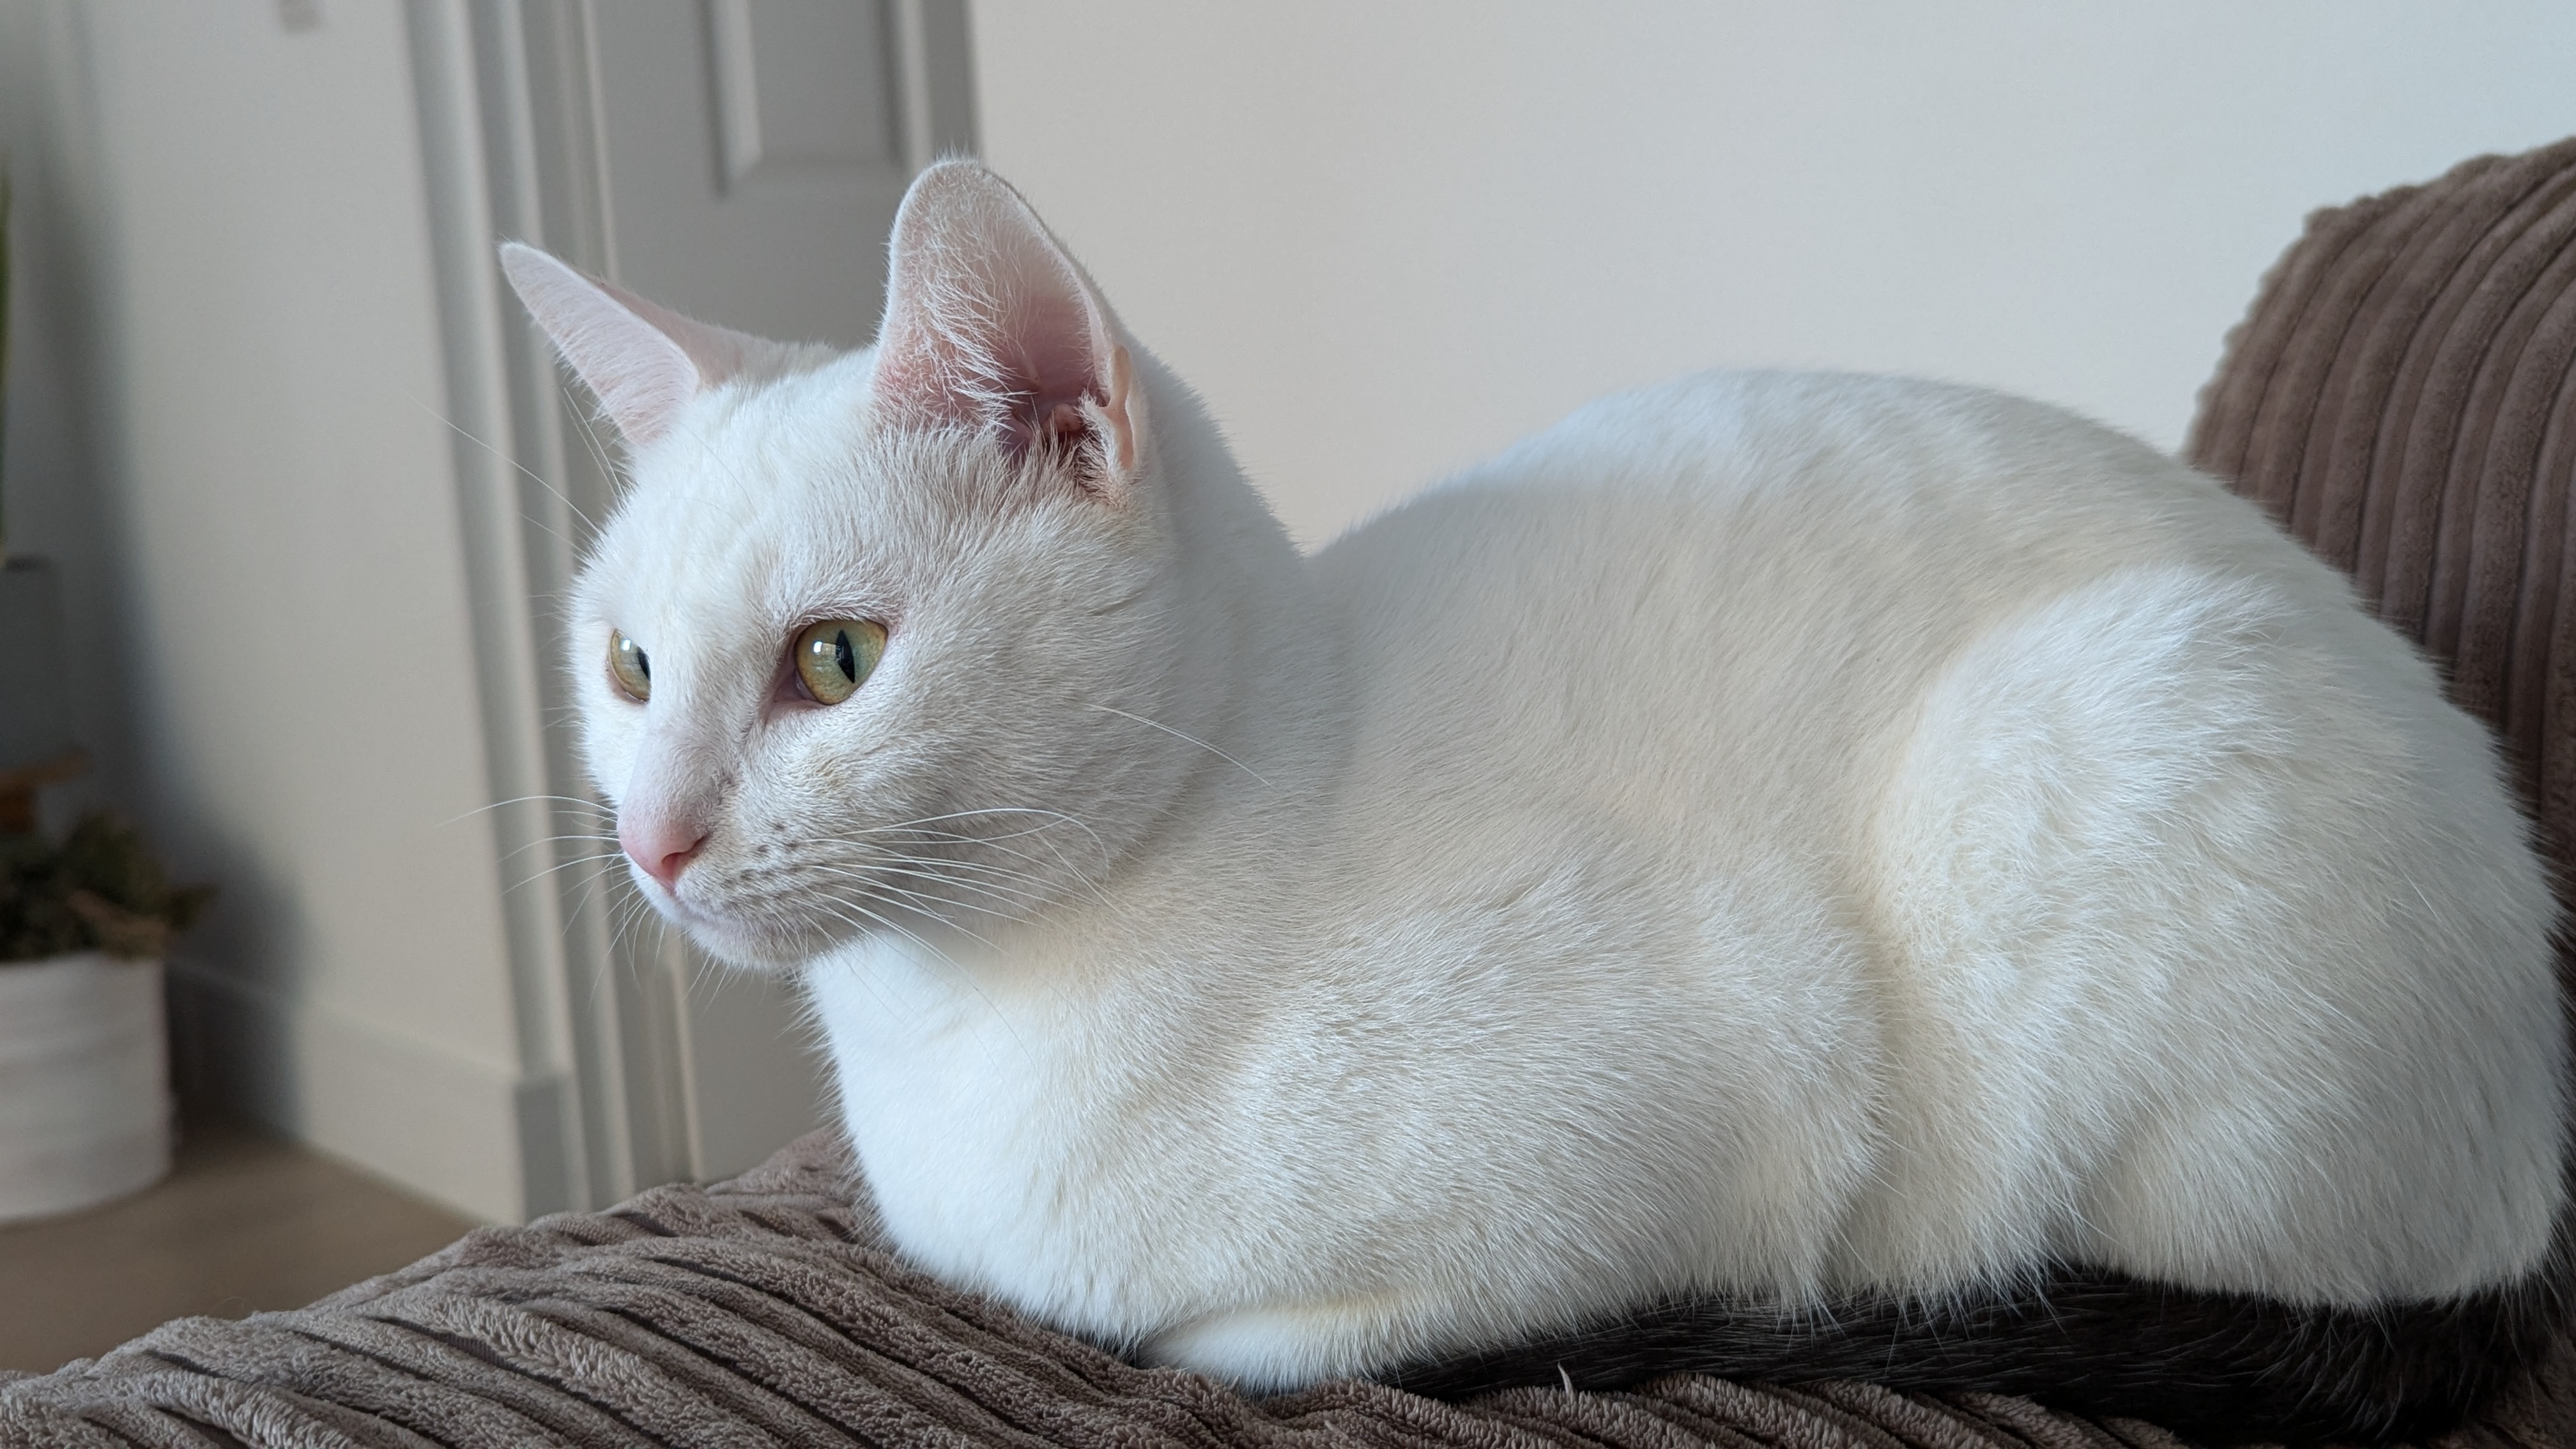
{"points": [[84, 1057]]}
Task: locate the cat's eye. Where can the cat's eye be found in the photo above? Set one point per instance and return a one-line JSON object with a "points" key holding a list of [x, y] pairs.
{"points": [[833, 658], [628, 666]]}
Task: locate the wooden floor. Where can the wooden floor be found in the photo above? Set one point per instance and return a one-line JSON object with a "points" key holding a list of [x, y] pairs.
{"points": [[244, 1222]]}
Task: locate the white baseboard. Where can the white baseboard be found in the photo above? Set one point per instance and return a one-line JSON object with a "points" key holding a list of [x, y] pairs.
{"points": [[446, 1127]]}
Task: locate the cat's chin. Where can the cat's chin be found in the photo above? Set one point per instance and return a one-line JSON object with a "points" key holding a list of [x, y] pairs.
{"points": [[734, 946], [759, 958]]}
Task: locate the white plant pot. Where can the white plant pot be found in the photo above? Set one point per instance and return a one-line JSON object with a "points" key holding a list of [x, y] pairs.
{"points": [[84, 1082]]}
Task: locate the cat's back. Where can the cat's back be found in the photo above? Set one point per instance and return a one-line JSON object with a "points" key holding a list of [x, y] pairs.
{"points": [[1873, 487], [1751, 573]]}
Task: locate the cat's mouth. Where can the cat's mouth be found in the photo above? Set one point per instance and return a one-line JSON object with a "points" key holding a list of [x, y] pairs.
{"points": [[778, 911], [732, 940]]}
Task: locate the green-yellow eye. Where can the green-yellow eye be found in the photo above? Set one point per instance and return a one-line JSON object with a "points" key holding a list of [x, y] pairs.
{"points": [[629, 668], [834, 657]]}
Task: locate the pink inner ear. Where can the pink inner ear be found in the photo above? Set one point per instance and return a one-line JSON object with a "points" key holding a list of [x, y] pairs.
{"points": [[987, 324], [1053, 371]]}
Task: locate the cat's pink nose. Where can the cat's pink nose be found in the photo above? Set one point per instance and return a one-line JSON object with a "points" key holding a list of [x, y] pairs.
{"points": [[663, 848]]}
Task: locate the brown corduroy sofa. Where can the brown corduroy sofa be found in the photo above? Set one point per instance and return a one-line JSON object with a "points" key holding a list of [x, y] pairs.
{"points": [[2402, 394]]}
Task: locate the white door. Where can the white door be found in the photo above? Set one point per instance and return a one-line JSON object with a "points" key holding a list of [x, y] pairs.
{"points": [[740, 161], [755, 152]]}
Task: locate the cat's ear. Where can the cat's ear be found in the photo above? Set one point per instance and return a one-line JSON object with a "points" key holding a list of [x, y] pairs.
{"points": [[990, 325], [643, 362]]}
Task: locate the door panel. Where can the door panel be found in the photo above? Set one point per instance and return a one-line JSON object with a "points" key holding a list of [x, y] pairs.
{"points": [[753, 160]]}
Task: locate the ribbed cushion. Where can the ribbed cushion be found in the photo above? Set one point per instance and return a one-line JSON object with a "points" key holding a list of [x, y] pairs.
{"points": [[767, 1311], [2402, 396]]}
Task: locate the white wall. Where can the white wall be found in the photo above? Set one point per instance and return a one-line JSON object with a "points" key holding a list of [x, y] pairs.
{"points": [[1386, 239], [287, 634], [51, 455]]}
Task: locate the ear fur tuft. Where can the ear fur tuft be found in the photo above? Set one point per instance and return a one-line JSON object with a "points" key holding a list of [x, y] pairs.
{"points": [[991, 325]]}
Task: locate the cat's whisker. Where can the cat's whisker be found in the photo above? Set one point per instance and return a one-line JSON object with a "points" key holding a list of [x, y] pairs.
{"points": [[709, 453], [1046, 886], [936, 918], [598, 453], [1185, 736], [923, 900], [918, 903], [714, 983], [914, 828], [1047, 820], [964, 976], [546, 528], [547, 840], [581, 857], [918, 840], [574, 800], [598, 858], [1054, 815], [637, 912], [904, 931], [598, 862], [1064, 868], [811, 1013], [946, 837], [621, 919], [869, 878], [1027, 883], [995, 890], [591, 888], [1043, 832], [531, 476]]}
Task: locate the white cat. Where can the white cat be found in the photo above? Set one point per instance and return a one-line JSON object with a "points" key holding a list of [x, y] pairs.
{"points": [[1773, 844]]}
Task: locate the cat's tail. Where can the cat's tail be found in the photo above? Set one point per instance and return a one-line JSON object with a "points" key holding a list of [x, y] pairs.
{"points": [[2219, 1368]]}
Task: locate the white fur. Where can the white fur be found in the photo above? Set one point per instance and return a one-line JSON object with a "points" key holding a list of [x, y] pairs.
{"points": [[1777, 834]]}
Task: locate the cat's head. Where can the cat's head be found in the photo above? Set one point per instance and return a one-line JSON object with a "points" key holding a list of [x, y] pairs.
{"points": [[845, 651]]}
